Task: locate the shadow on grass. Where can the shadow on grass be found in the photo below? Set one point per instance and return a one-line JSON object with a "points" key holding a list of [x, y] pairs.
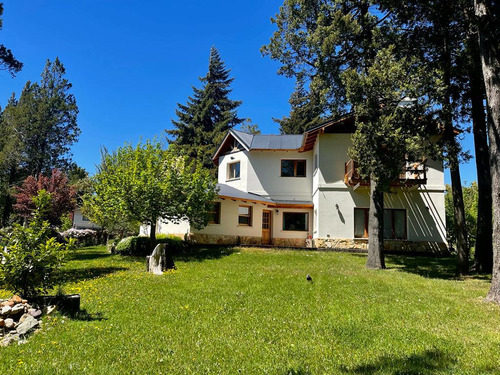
{"points": [[78, 274], [299, 371], [88, 255], [427, 362], [83, 315], [201, 253], [435, 268]]}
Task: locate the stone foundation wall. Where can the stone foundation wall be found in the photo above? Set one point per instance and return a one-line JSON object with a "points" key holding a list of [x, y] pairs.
{"points": [[389, 245], [215, 239]]}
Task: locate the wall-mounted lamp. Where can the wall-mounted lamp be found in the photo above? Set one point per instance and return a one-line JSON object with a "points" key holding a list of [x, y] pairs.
{"points": [[277, 211], [232, 157]]}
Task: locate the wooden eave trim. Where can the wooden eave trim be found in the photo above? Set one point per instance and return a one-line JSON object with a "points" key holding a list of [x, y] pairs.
{"points": [[269, 205], [291, 205], [275, 149], [246, 200]]}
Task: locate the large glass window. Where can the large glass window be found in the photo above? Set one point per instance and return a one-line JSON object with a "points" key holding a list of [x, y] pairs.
{"points": [[293, 168], [298, 221], [360, 222], [394, 223], [245, 215], [214, 213], [233, 170]]}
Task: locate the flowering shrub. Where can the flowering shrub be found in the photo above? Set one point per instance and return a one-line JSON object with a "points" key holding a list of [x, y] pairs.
{"points": [[83, 237]]}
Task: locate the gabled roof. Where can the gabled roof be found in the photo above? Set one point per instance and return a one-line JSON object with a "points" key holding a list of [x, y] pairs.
{"points": [[259, 142]]}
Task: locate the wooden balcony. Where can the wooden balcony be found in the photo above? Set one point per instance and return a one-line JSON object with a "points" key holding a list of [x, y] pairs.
{"points": [[413, 174]]}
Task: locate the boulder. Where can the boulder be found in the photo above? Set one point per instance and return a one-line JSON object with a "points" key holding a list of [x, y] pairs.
{"points": [[9, 323], [16, 299], [27, 325], [6, 310], [23, 318], [17, 309], [35, 313]]}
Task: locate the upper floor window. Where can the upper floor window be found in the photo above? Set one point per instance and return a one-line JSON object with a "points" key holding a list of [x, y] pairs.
{"points": [[214, 213], [245, 215], [233, 170], [293, 168]]}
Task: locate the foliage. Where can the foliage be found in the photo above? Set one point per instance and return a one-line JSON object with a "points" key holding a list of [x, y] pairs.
{"points": [[7, 60], [57, 185], [415, 319], [145, 183], [31, 259], [82, 237], [134, 245], [248, 127], [208, 114], [470, 201]]}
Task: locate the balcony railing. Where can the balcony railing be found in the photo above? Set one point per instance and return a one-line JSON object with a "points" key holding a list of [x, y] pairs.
{"points": [[414, 173]]}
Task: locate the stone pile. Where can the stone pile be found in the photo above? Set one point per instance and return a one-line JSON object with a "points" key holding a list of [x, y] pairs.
{"points": [[17, 319]]}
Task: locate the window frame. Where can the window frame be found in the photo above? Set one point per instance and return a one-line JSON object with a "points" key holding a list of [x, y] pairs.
{"points": [[294, 167], [216, 212], [392, 223], [228, 175], [249, 215], [295, 213]]}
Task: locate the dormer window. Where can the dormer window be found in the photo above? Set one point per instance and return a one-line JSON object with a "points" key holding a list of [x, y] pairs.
{"points": [[233, 171]]}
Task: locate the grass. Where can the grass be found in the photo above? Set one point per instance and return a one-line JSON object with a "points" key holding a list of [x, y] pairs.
{"points": [[252, 311]]}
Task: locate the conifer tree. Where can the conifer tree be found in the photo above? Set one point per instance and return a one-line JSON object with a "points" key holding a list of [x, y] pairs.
{"points": [[7, 60], [208, 115]]}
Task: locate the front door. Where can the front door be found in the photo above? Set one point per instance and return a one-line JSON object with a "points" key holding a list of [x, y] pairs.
{"points": [[266, 227]]}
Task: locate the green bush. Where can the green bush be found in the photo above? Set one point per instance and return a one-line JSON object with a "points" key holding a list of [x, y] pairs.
{"points": [[135, 245], [31, 260], [140, 245]]}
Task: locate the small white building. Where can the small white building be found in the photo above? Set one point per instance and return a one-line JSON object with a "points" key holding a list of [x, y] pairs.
{"points": [[80, 221], [282, 190]]}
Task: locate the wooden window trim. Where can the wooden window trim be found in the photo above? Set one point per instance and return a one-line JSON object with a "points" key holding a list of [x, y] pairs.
{"points": [[217, 215], [294, 167], [249, 215], [228, 174], [295, 230]]}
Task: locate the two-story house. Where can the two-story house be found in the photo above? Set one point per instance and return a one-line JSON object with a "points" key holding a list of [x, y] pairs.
{"points": [[282, 190]]}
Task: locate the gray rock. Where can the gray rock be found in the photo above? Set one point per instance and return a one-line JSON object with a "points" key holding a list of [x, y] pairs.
{"points": [[35, 313], [27, 325], [6, 310], [9, 323], [23, 318], [17, 309]]}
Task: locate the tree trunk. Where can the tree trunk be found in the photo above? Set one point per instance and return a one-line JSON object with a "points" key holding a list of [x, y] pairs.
{"points": [[376, 227], [152, 234], [459, 211], [483, 255], [486, 13]]}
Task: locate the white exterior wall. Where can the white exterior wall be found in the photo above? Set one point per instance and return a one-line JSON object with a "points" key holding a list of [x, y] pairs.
{"points": [[79, 223], [335, 201], [264, 175], [237, 183]]}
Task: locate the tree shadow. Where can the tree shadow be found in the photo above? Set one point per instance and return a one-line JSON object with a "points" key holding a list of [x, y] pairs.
{"points": [[78, 274], [427, 362], [430, 267], [294, 371], [87, 255], [201, 253], [85, 316]]}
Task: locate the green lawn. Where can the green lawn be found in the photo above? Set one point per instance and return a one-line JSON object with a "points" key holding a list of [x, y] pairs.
{"points": [[252, 311]]}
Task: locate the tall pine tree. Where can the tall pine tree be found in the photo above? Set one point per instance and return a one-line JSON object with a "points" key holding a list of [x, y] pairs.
{"points": [[208, 114]]}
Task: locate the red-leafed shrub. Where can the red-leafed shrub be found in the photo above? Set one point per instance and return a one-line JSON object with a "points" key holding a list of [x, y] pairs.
{"points": [[62, 196]]}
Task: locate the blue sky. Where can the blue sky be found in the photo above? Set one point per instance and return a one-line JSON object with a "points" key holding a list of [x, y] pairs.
{"points": [[131, 62]]}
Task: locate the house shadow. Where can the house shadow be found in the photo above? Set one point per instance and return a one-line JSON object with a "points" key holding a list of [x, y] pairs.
{"points": [[78, 274], [430, 267], [427, 362], [200, 253]]}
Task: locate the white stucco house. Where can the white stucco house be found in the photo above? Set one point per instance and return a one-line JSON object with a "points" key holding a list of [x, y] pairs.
{"points": [[289, 190], [80, 221]]}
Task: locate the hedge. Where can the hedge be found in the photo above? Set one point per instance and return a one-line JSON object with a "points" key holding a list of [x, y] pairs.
{"points": [[140, 245]]}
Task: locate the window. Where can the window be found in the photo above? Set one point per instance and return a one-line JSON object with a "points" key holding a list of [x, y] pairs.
{"points": [[293, 168], [245, 215], [361, 223], [85, 218], [298, 221], [214, 214], [394, 223], [233, 170]]}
